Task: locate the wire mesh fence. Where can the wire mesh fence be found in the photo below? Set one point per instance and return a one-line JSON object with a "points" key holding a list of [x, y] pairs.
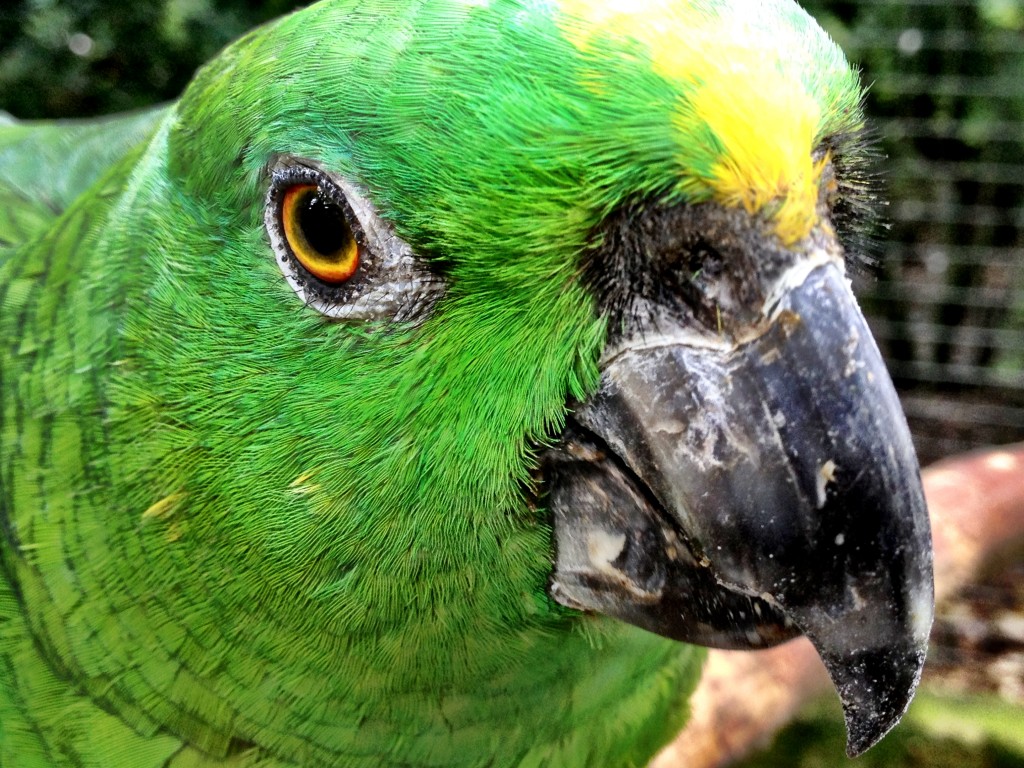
{"points": [[947, 305]]}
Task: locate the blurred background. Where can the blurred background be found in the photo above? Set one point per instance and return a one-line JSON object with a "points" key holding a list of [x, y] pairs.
{"points": [[946, 93], [946, 304], [946, 300]]}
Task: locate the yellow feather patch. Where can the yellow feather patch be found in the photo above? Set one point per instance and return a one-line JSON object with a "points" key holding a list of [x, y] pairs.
{"points": [[740, 89], [301, 485], [767, 139], [164, 507]]}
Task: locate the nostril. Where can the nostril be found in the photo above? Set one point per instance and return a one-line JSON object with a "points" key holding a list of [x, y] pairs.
{"points": [[705, 259]]}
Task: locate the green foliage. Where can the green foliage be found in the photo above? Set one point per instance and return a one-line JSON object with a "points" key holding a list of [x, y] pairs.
{"points": [[922, 70], [939, 731], [66, 58]]}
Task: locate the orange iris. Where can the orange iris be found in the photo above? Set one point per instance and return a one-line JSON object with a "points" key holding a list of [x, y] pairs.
{"points": [[318, 234]]}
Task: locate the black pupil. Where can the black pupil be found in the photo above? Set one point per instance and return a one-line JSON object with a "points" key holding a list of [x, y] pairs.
{"points": [[323, 224]]}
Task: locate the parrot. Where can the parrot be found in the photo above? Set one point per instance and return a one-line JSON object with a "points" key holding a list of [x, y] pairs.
{"points": [[432, 381]]}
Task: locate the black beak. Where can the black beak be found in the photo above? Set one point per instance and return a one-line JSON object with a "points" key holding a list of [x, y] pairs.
{"points": [[737, 495]]}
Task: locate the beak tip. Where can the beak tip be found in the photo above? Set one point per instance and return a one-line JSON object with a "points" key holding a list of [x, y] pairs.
{"points": [[861, 736], [876, 692]]}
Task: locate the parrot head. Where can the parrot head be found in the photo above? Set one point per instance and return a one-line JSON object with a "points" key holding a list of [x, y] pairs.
{"points": [[531, 311]]}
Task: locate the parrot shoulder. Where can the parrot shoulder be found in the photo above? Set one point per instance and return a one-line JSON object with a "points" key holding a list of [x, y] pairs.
{"points": [[45, 721], [57, 181], [45, 165]]}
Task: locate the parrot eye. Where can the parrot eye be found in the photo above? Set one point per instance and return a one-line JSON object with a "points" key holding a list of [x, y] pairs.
{"points": [[319, 233], [335, 251]]}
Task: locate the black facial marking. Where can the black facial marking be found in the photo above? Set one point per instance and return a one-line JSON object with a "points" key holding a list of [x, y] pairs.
{"points": [[699, 264], [705, 265]]}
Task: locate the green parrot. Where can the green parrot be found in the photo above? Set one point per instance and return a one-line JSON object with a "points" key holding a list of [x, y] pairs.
{"points": [[424, 385]]}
